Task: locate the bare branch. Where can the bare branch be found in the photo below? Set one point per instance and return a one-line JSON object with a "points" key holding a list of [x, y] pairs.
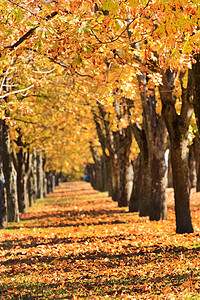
{"points": [[16, 92], [44, 72]]}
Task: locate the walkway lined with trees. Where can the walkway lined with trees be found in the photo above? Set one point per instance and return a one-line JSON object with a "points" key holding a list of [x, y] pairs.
{"points": [[77, 243], [109, 83]]}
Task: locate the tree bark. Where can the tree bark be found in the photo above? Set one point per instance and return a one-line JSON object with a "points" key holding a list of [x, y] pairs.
{"points": [[137, 185], [126, 169], [158, 207], [34, 174], [169, 173], [31, 192], [23, 165], [10, 177], [3, 204], [21, 181], [3, 208], [40, 177], [178, 128], [144, 205], [98, 179], [108, 183], [196, 91], [181, 185], [197, 160], [115, 173], [192, 166]]}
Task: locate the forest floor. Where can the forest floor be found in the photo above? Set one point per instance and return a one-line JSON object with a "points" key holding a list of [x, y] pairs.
{"points": [[77, 244]]}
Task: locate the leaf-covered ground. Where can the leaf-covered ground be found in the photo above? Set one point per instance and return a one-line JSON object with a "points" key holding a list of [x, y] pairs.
{"points": [[77, 244]]}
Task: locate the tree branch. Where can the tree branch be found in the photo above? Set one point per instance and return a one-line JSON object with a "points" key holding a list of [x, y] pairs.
{"points": [[22, 39], [16, 92]]}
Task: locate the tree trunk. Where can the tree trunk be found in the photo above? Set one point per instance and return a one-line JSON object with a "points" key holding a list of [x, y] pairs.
{"points": [[137, 185], [48, 182], [115, 173], [126, 185], [195, 73], [10, 177], [192, 166], [3, 204], [3, 209], [178, 128], [31, 191], [126, 169], [34, 174], [21, 182], [53, 182], [196, 92], [169, 173], [144, 206], [40, 177], [108, 183], [158, 207], [181, 187], [98, 179], [197, 160]]}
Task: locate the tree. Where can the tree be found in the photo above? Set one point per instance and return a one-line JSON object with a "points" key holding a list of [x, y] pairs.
{"points": [[95, 46]]}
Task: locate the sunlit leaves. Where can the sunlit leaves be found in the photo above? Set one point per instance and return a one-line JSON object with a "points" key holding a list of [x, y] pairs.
{"points": [[101, 52]]}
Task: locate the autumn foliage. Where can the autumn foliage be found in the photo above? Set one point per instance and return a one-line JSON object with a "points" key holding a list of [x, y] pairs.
{"points": [[77, 244]]}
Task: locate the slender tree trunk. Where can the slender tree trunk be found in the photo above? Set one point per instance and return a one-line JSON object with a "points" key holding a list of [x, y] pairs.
{"points": [[192, 166], [27, 179], [3, 208], [26, 199], [3, 204], [169, 173], [104, 174], [43, 176], [108, 183], [53, 182], [40, 177], [196, 92], [34, 173], [49, 183], [10, 178], [126, 169], [126, 185], [23, 167], [89, 169], [21, 182], [197, 160], [137, 186], [144, 206], [115, 172], [31, 198], [158, 207], [98, 179], [198, 176]]}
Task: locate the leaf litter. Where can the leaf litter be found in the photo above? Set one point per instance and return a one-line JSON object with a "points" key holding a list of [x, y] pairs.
{"points": [[77, 244]]}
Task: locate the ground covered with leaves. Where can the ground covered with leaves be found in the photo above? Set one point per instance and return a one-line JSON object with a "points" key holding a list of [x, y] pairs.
{"points": [[77, 244]]}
